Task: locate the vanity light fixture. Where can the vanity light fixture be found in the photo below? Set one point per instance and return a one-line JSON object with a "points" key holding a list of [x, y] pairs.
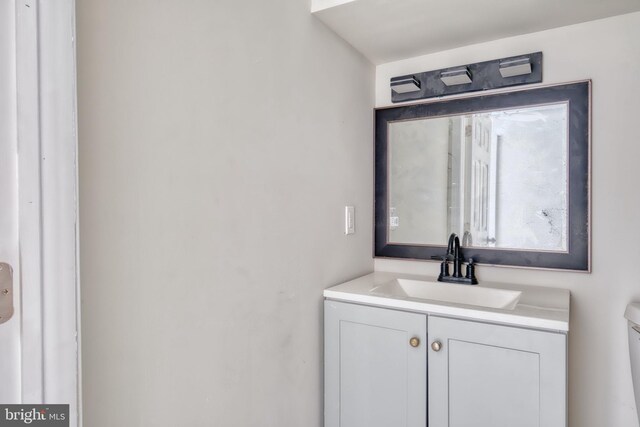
{"points": [[405, 84], [515, 67], [494, 74], [458, 76]]}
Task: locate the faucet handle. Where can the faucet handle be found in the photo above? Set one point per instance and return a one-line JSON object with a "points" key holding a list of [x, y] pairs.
{"points": [[471, 272], [444, 266]]}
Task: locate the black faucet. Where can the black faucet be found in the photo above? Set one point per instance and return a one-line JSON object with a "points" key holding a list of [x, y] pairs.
{"points": [[453, 250], [455, 254]]}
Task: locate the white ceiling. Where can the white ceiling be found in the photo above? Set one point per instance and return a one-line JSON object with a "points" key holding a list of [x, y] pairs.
{"points": [[389, 30]]}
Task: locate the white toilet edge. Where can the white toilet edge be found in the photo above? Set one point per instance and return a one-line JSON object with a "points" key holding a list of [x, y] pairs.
{"points": [[632, 313]]}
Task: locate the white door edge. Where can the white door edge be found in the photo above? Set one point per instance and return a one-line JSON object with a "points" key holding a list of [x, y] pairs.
{"points": [[29, 206], [48, 203]]}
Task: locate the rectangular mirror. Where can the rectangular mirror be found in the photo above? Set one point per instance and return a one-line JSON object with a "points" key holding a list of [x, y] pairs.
{"points": [[508, 173]]}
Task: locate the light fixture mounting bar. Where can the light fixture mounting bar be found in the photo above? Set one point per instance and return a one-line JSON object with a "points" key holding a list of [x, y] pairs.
{"points": [[494, 74]]}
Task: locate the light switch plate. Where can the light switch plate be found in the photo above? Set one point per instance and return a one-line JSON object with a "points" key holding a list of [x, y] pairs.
{"points": [[349, 219]]}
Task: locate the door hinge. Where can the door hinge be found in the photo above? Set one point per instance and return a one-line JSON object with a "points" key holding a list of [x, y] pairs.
{"points": [[6, 292]]}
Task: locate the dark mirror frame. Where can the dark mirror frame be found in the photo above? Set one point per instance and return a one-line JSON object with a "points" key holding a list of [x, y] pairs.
{"points": [[578, 97]]}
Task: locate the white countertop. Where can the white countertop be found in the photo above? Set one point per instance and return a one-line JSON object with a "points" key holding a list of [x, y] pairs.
{"points": [[538, 307]]}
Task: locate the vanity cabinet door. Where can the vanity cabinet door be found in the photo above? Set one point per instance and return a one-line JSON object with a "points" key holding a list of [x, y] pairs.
{"points": [[485, 375], [375, 374]]}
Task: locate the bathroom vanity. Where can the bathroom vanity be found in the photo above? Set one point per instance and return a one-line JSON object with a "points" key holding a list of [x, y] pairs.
{"points": [[407, 351]]}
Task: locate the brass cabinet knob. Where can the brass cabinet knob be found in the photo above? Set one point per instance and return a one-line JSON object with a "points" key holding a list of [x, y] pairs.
{"points": [[414, 342], [436, 345]]}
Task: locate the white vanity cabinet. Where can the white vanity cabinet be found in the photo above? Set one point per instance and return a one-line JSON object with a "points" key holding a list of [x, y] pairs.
{"points": [[466, 373], [495, 376], [375, 375]]}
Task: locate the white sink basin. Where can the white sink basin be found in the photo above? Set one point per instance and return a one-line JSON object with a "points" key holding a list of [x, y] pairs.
{"points": [[451, 293]]}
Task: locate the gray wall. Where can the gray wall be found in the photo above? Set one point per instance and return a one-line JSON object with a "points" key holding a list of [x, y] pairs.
{"points": [[606, 51], [219, 143]]}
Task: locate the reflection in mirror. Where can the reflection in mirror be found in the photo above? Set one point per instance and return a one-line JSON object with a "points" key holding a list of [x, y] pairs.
{"points": [[497, 178]]}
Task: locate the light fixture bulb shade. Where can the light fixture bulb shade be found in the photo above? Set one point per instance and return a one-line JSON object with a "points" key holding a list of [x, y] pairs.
{"points": [[515, 67], [459, 76], [405, 84]]}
